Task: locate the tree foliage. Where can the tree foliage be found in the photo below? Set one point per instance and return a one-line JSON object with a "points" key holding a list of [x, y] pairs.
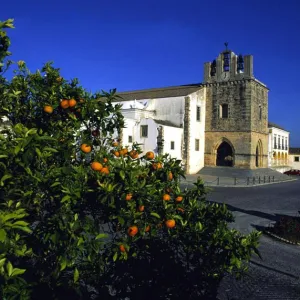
{"points": [[84, 216]]}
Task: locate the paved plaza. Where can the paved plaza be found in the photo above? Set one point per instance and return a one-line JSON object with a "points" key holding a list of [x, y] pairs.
{"points": [[277, 275]]}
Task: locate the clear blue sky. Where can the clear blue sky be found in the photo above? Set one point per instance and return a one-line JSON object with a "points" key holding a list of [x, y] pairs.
{"points": [[142, 44]]}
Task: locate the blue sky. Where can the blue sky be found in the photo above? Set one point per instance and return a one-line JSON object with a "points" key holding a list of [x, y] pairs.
{"points": [[143, 44]]}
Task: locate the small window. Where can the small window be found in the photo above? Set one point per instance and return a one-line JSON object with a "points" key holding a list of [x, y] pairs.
{"points": [[144, 130], [296, 158], [224, 111], [130, 139], [172, 145], [198, 114], [197, 144], [260, 112]]}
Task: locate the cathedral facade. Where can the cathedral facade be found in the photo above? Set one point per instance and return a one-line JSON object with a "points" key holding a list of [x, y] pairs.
{"points": [[222, 121]]}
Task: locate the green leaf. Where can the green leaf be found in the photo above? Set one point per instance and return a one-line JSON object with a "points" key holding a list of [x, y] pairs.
{"points": [[9, 268], [2, 235], [115, 257], [38, 151], [122, 174], [80, 241], [65, 198], [55, 184], [101, 236], [76, 275], [20, 223], [31, 131], [50, 149], [155, 215], [63, 264], [2, 261], [3, 156], [17, 271]]}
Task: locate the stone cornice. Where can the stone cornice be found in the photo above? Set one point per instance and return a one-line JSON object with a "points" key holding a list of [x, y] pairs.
{"points": [[234, 82]]}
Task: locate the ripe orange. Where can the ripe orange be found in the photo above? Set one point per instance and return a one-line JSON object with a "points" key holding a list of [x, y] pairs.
{"points": [[123, 151], [150, 155], [166, 197], [96, 166], [72, 102], [105, 160], [133, 154], [132, 230], [115, 144], [179, 198], [147, 229], [117, 153], [48, 109], [141, 208], [64, 104], [128, 197], [170, 223], [86, 148], [157, 166], [105, 170], [122, 248], [170, 176]]}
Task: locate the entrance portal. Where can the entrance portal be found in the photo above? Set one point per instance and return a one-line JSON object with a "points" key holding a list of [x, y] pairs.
{"points": [[224, 155]]}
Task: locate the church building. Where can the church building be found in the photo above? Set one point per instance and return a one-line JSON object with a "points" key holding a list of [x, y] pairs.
{"points": [[222, 121]]}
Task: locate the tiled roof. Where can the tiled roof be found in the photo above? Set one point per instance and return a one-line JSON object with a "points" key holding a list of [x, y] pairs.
{"points": [[294, 150], [166, 123], [270, 124], [173, 91]]}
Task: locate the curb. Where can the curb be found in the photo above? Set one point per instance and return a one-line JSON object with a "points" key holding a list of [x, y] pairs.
{"points": [[280, 238]]}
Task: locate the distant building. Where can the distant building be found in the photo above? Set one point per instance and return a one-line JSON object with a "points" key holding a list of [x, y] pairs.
{"points": [[294, 158], [278, 148]]}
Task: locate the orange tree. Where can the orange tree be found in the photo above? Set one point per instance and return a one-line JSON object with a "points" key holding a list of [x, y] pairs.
{"points": [[84, 216]]}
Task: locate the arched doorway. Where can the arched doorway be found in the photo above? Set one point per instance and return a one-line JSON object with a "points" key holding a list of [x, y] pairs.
{"points": [[258, 155], [224, 155]]}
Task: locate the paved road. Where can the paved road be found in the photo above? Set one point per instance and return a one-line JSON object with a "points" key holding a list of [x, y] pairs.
{"points": [[277, 275]]}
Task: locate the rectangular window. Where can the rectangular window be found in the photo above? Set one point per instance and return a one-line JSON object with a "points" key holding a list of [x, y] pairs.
{"points": [[197, 144], [296, 158], [275, 140], [198, 114], [130, 139], [172, 145], [144, 130], [226, 61], [224, 111]]}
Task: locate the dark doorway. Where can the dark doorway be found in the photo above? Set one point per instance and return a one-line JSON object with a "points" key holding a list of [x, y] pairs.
{"points": [[225, 155], [256, 157]]}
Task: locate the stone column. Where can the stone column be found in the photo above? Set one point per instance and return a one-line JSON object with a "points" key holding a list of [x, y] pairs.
{"points": [[248, 65], [207, 71]]}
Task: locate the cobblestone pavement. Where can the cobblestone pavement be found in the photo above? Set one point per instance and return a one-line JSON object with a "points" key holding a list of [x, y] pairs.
{"points": [[277, 275]]}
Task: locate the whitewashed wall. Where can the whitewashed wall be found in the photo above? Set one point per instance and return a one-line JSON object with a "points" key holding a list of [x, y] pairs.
{"points": [[292, 163], [197, 131], [176, 135]]}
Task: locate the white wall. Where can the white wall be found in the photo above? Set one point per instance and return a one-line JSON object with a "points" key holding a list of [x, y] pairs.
{"points": [[292, 163], [197, 131], [173, 134]]}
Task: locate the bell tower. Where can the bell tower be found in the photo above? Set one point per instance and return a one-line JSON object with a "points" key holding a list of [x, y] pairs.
{"points": [[236, 126]]}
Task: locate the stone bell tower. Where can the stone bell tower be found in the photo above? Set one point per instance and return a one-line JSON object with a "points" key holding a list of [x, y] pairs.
{"points": [[236, 126]]}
